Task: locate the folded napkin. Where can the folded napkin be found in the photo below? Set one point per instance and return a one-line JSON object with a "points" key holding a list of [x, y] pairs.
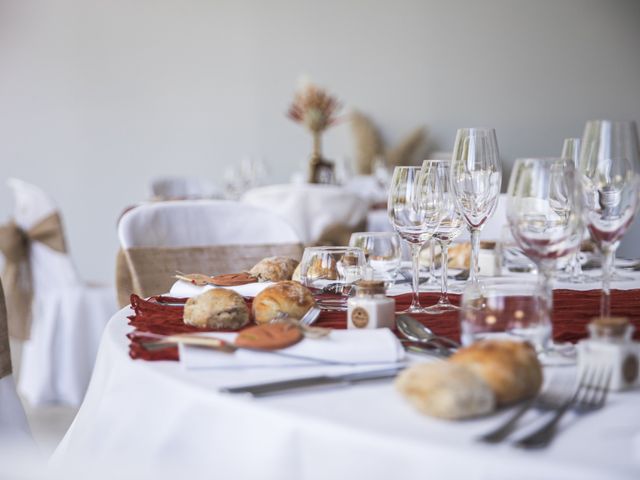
{"points": [[355, 347], [187, 290]]}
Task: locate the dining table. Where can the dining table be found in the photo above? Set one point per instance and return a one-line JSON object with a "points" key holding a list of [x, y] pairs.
{"points": [[165, 418]]}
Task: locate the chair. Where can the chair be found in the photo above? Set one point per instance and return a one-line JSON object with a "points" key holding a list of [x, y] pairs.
{"points": [[13, 421], [204, 236], [320, 214], [176, 188], [68, 316]]}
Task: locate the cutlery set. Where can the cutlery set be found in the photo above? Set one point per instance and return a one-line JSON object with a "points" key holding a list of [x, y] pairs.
{"points": [[589, 395]]}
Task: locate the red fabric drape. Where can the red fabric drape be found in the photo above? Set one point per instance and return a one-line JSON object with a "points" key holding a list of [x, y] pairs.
{"points": [[571, 313]]}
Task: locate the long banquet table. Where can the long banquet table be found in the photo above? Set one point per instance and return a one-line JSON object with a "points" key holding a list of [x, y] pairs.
{"points": [[167, 420]]}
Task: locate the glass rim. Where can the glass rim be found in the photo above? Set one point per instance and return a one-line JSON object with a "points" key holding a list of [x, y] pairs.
{"points": [[613, 122], [375, 234], [524, 285], [407, 167], [332, 248], [476, 129]]}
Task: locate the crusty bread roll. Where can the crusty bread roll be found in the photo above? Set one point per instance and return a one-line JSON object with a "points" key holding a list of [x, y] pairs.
{"points": [[287, 297], [219, 308], [510, 368], [446, 390], [274, 269]]}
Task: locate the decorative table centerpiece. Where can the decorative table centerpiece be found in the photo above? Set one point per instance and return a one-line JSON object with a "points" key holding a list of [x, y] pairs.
{"points": [[316, 110]]}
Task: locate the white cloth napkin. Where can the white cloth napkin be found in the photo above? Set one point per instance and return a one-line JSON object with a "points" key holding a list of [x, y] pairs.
{"points": [[351, 347], [186, 289]]}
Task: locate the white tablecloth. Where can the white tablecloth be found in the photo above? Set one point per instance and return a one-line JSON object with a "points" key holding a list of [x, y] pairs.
{"points": [[165, 419]]}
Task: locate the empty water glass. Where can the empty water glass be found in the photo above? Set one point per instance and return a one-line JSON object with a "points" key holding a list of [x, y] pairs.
{"points": [[382, 251]]}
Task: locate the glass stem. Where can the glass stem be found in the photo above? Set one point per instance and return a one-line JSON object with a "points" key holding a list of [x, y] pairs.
{"points": [[415, 257], [432, 265], [609, 255], [547, 291], [444, 255], [475, 253]]}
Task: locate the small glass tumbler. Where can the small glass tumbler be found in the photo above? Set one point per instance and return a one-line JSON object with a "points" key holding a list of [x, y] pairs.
{"points": [[332, 271]]}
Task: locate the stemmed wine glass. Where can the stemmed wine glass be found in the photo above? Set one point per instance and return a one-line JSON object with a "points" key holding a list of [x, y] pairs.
{"points": [[612, 139], [610, 188], [476, 177], [407, 214], [543, 210], [571, 151], [443, 220]]}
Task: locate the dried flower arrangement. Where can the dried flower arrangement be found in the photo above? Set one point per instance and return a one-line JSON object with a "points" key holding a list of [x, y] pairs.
{"points": [[317, 110]]}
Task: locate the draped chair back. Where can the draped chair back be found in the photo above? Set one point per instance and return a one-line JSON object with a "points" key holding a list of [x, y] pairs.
{"points": [[205, 236], [320, 214], [36, 261]]}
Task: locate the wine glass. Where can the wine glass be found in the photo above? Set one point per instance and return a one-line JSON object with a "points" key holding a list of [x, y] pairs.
{"points": [[443, 220], [571, 151], [543, 210], [500, 307], [610, 187], [608, 139], [476, 177], [382, 251], [331, 270], [407, 214]]}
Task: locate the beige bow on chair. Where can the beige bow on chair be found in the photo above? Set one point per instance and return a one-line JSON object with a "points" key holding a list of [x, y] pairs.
{"points": [[16, 276]]}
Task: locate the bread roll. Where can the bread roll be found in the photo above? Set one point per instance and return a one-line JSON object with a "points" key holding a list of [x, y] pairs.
{"points": [[219, 308], [287, 297], [274, 269], [446, 390], [510, 368]]}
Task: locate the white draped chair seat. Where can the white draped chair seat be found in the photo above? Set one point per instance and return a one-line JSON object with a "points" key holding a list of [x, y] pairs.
{"points": [[68, 314], [313, 210]]}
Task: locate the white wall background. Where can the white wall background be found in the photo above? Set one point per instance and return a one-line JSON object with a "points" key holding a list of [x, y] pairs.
{"points": [[97, 97]]}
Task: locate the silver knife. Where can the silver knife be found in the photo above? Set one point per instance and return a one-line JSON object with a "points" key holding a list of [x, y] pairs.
{"points": [[273, 388]]}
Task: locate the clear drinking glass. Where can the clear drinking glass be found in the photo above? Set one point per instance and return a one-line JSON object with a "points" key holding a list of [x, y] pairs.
{"points": [[610, 187], [331, 270], [476, 177], [505, 308], [407, 214], [571, 152], [444, 222], [602, 141], [543, 209], [382, 251]]}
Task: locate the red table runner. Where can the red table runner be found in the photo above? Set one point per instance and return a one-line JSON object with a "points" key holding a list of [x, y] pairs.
{"points": [[572, 310]]}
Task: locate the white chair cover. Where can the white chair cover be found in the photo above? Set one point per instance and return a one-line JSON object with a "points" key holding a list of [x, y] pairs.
{"points": [[202, 223], [311, 209], [184, 188], [68, 316]]}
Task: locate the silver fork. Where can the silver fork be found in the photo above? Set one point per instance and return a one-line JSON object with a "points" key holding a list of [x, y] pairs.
{"points": [[589, 396], [549, 399]]}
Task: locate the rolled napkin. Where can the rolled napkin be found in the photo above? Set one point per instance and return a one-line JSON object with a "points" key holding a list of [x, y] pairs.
{"points": [[187, 290], [345, 347]]}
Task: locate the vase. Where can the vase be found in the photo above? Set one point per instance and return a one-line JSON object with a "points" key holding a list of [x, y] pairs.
{"points": [[320, 169]]}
